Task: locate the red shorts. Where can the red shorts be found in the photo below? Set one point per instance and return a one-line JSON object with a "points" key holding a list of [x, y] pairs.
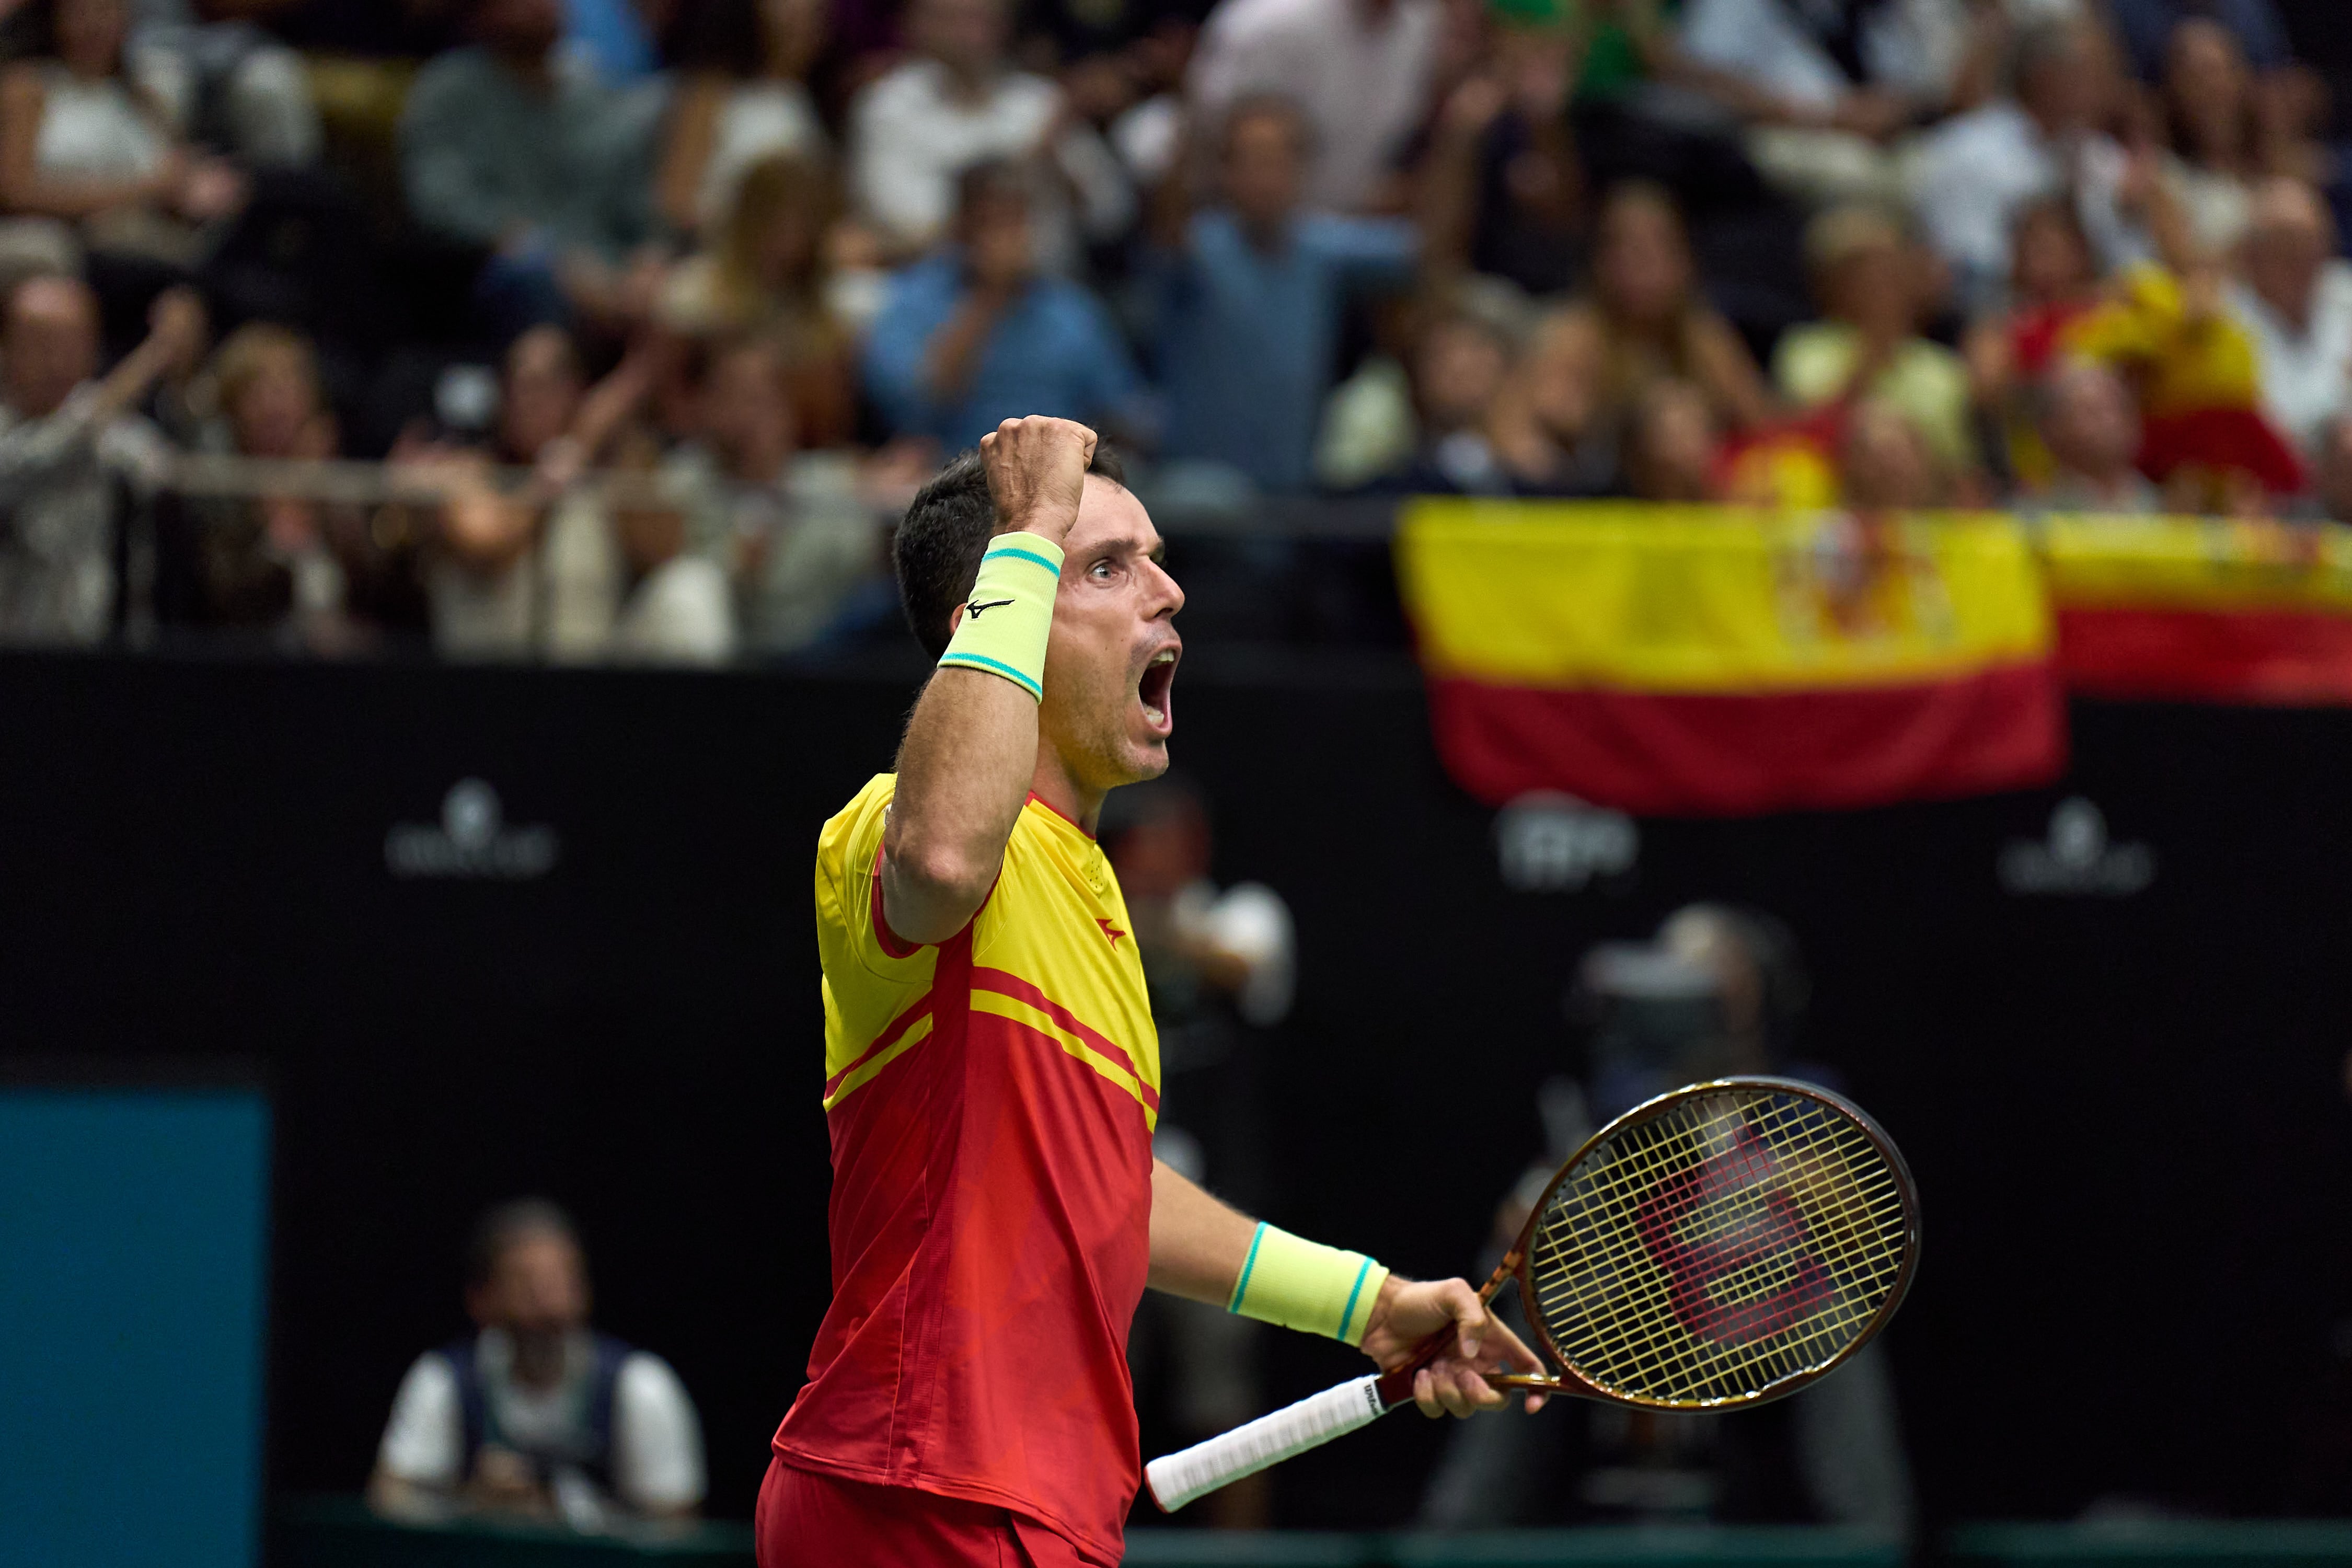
{"points": [[810, 1520]]}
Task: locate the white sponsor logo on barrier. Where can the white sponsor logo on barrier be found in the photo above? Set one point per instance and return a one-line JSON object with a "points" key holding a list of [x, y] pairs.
{"points": [[2076, 859], [1553, 843], [471, 841]]}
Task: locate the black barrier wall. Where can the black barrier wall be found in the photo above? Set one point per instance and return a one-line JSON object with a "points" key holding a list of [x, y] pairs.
{"points": [[591, 972]]}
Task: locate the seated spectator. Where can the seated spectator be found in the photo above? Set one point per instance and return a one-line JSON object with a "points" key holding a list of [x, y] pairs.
{"points": [[1872, 288], [978, 334], [224, 80], [958, 103], [1251, 293], [1547, 423], [1386, 422], [675, 604], [535, 570], [793, 527], [1977, 171], [535, 1413], [2091, 427], [1826, 87], [2168, 329], [1885, 462], [1541, 431], [766, 274], [1672, 444], [740, 102], [2292, 295], [2217, 152], [2147, 29], [64, 439], [510, 145], [81, 146], [1362, 71], [279, 561], [2052, 282], [1652, 321]]}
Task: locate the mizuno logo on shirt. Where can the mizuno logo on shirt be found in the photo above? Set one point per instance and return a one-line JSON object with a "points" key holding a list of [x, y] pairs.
{"points": [[1109, 930], [974, 608]]}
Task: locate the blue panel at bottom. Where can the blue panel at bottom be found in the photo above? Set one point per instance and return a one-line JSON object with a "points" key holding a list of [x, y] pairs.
{"points": [[133, 1237]]}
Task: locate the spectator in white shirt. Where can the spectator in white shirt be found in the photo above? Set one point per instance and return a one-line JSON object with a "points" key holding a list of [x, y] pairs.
{"points": [[960, 104], [1828, 84], [2293, 296], [65, 437], [740, 100], [534, 1413], [1978, 171], [1362, 72]]}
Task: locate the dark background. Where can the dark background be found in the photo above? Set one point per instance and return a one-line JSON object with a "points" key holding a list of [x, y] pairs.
{"points": [[2127, 1116]]}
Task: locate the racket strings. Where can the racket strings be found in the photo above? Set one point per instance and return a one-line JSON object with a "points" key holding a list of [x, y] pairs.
{"points": [[1763, 1282], [1590, 1246], [1731, 1242], [1779, 1273]]}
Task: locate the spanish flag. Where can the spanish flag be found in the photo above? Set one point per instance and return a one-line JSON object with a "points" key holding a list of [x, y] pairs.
{"points": [[1697, 661], [2250, 611]]}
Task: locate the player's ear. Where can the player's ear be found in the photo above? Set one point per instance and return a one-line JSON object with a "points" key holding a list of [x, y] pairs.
{"points": [[955, 618]]}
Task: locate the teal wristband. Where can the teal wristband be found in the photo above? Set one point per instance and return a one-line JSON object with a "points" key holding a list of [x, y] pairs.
{"points": [[1009, 615], [1306, 1286]]}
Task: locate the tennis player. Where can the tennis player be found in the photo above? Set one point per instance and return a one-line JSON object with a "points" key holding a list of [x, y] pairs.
{"points": [[993, 1073]]}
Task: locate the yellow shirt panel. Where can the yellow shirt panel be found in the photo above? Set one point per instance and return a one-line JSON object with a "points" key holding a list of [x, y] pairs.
{"points": [[1052, 947]]}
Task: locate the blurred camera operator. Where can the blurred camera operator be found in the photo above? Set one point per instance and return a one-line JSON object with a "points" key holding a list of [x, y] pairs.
{"points": [[1718, 991]]}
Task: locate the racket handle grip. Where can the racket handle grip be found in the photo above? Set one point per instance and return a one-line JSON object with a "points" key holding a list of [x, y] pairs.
{"points": [[1176, 1479]]}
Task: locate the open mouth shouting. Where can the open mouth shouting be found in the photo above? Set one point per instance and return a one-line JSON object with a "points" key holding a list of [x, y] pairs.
{"points": [[1153, 688]]}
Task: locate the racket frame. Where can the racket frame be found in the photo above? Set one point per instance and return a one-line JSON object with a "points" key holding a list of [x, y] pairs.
{"points": [[1395, 1388]]}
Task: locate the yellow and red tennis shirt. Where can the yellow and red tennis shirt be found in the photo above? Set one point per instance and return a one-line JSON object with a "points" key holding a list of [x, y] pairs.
{"points": [[991, 1100]]}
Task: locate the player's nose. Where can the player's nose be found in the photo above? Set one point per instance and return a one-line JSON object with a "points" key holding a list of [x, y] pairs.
{"points": [[1164, 596]]}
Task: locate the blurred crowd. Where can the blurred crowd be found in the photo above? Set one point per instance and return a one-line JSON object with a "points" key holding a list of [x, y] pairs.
{"points": [[765, 263]]}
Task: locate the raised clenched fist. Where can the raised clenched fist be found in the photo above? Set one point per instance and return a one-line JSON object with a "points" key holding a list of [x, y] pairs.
{"points": [[1037, 471]]}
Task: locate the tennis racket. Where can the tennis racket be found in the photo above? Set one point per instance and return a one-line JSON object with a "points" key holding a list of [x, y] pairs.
{"points": [[1721, 1246]]}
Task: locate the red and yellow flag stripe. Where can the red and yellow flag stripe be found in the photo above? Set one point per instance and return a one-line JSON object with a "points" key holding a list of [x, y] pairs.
{"points": [[1717, 660], [2247, 611]]}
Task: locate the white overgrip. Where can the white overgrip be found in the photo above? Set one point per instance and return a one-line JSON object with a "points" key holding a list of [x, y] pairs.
{"points": [[1177, 1479]]}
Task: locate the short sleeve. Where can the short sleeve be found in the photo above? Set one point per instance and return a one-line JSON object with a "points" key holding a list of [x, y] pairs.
{"points": [[425, 1442], [656, 1437], [848, 883]]}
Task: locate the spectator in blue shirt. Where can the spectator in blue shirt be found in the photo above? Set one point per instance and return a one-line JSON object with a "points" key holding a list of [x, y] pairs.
{"points": [[1251, 295], [976, 334]]}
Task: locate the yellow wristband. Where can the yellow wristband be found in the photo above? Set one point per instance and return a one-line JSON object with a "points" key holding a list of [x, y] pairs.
{"points": [[1009, 615], [1306, 1286]]}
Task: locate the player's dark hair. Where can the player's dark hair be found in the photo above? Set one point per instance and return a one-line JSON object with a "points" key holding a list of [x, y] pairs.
{"points": [[506, 1224], [946, 531]]}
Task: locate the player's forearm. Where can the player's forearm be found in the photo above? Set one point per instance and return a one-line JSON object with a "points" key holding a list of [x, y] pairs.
{"points": [[964, 774], [1198, 1244], [1205, 1250], [970, 751]]}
